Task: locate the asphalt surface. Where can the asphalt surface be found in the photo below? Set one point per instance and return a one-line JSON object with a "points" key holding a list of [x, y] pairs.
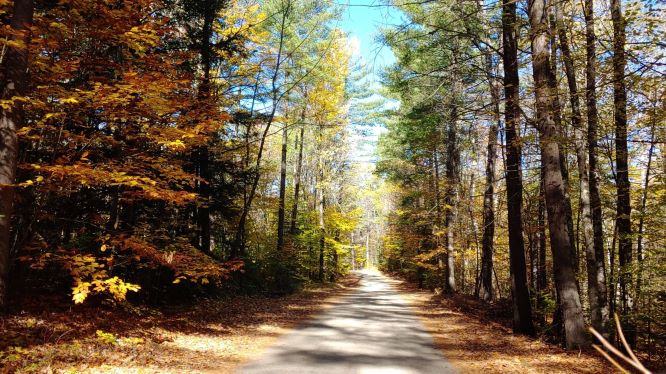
{"points": [[370, 331]]}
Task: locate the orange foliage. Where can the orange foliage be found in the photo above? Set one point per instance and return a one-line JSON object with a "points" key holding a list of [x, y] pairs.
{"points": [[113, 116]]}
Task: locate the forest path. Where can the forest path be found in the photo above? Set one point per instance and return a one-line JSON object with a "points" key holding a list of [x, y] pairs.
{"points": [[371, 330]]}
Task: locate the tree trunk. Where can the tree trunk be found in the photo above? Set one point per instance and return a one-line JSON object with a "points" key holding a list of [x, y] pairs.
{"points": [[452, 178], [437, 227], [15, 83], [560, 243], [644, 197], [612, 278], [353, 252], [452, 160], [201, 154], [297, 179], [595, 198], [583, 177], [622, 170], [334, 250], [367, 248], [322, 233], [542, 275], [283, 187], [486, 284], [522, 310], [475, 236], [557, 117]]}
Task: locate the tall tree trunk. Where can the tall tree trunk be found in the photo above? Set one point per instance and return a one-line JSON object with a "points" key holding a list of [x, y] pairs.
{"points": [[367, 248], [283, 186], [321, 207], [475, 236], [595, 197], [297, 177], [452, 177], [644, 197], [583, 176], [452, 161], [203, 219], [334, 271], [15, 84], [560, 243], [568, 211], [557, 117], [353, 252], [612, 278], [201, 154], [522, 309], [486, 284], [542, 276], [437, 227], [322, 234], [622, 170]]}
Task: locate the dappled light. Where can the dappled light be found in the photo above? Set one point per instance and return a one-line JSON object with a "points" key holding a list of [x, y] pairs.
{"points": [[332, 186]]}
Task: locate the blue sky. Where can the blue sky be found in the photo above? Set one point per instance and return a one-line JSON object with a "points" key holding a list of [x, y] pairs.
{"points": [[361, 19]]}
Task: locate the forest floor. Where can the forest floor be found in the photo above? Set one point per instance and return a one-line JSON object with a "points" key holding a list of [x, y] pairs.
{"points": [[218, 336], [213, 336], [475, 338]]}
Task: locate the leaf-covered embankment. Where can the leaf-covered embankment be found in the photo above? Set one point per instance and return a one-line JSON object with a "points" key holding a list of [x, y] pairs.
{"points": [[211, 336], [475, 340]]}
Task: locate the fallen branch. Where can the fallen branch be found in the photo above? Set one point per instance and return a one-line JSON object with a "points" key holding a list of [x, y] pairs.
{"points": [[631, 360]]}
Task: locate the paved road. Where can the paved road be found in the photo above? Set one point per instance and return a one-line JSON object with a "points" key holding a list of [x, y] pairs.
{"points": [[370, 331]]}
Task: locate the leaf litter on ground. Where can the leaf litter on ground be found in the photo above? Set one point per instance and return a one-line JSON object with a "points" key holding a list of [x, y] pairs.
{"points": [[214, 335]]}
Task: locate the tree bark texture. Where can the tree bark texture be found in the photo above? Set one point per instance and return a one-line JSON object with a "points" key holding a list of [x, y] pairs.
{"points": [[560, 242], [595, 197], [622, 170], [583, 175], [522, 309], [15, 84]]}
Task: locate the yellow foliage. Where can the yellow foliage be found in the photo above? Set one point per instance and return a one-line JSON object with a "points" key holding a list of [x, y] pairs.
{"points": [[69, 100], [91, 277], [106, 337]]}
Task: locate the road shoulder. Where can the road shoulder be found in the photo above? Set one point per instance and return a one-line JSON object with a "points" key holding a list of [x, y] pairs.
{"points": [[477, 345]]}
